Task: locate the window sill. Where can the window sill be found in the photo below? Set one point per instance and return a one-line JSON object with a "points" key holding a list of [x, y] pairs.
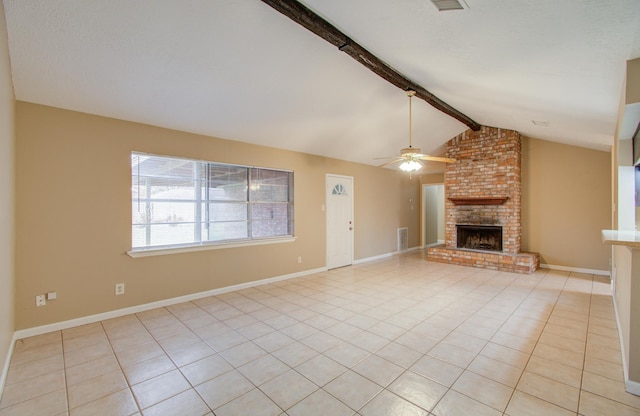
{"points": [[204, 247]]}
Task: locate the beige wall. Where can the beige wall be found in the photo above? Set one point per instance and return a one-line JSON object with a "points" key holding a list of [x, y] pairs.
{"points": [[73, 217], [565, 203], [6, 195]]}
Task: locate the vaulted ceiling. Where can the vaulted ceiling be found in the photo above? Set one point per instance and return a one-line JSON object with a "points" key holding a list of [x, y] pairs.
{"points": [[239, 70]]}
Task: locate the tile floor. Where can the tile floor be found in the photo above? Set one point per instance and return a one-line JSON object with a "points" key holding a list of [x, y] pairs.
{"points": [[399, 336]]}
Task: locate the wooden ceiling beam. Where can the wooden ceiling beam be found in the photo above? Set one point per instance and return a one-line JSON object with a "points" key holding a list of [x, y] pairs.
{"points": [[316, 24]]}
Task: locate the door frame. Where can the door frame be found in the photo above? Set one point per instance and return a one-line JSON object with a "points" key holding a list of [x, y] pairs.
{"points": [[423, 214], [327, 199]]}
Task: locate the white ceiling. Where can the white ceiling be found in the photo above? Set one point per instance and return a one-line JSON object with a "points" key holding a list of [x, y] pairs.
{"points": [[237, 69]]}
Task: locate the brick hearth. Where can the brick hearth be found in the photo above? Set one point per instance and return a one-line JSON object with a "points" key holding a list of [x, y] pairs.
{"points": [[483, 188]]}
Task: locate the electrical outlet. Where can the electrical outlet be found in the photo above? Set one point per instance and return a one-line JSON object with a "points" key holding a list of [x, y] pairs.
{"points": [[299, 259], [119, 289], [41, 300]]}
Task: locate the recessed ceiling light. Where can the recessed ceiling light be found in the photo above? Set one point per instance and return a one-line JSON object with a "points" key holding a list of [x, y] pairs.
{"points": [[444, 5], [540, 123]]}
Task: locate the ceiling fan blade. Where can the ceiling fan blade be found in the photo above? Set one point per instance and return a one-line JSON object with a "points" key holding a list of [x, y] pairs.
{"points": [[436, 159], [386, 157], [397, 159]]}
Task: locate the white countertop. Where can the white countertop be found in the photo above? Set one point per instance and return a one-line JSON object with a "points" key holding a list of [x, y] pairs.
{"points": [[629, 238]]}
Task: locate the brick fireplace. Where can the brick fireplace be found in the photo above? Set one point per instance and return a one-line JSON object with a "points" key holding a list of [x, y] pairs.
{"points": [[482, 199]]}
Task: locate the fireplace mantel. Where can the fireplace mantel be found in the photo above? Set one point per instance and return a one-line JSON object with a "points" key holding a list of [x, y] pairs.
{"points": [[479, 200]]}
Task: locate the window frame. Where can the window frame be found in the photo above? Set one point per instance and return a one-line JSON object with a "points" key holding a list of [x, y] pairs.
{"points": [[202, 202]]}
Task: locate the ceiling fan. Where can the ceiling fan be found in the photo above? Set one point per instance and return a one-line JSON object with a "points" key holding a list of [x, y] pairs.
{"points": [[411, 157]]}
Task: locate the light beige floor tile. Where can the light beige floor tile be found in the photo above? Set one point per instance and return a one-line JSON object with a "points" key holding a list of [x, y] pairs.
{"points": [[206, 369], [496, 370], [33, 342], [159, 388], [297, 388], [320, 403], [386, 330], [347, 354], [120, 403], [253, 403], [418, 390], [602, 353], [505, 354], [399, 354], [90, 369], [190, 353], [436, 370], [464, 341], [320, 369], [130, 341], [29, 389], [35, 368], [609, 388], [417, 342], [222, 389], [594, 405], [457, 404], [242, 354], [96, 388], [139, 353], [378, 370], [263, 369], [484, 390], [273, 341], [555, 371], [353, 390], [605, 331], [146, 370], [552, 391], [387, 403], [55, 402], [579, 334], [368, 341], [563, 342], [84, 341], [34, 351], [179, 341], [295, 354], [321, 341], [523, 404], [603, 368], [82, 355], [445, 311], [452, 354], [603, 341], [559, 355], [187, 403]]}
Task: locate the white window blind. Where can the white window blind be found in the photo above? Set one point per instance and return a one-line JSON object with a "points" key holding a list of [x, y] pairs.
{"points": [[181, 202]]}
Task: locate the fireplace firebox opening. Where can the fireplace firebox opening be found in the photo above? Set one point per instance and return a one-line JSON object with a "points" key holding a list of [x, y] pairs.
{"points": [[479, 237]]}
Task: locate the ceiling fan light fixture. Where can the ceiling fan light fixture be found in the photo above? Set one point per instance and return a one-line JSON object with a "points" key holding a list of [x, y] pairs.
{"points": [[410, 166]]}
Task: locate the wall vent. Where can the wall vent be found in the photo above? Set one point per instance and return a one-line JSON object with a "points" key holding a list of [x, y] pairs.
{"points": [[444, 5], [403, 239]]}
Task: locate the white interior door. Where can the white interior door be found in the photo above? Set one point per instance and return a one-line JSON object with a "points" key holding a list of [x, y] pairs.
{"points": [[339, 221]]}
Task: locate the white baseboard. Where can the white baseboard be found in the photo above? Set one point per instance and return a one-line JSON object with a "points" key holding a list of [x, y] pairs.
{"points": [[384, 256], [7, 361], [575, 269], [57, 326], [632, 387]]}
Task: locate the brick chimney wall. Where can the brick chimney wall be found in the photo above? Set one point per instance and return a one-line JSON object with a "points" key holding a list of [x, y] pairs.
{"points": [[487, 165]]}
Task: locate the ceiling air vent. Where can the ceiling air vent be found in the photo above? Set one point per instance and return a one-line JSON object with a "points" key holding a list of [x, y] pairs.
{"points": [[444, 5]]}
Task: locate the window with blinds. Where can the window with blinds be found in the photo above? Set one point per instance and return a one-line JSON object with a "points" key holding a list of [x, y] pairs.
{"points": [[181, 202]]}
